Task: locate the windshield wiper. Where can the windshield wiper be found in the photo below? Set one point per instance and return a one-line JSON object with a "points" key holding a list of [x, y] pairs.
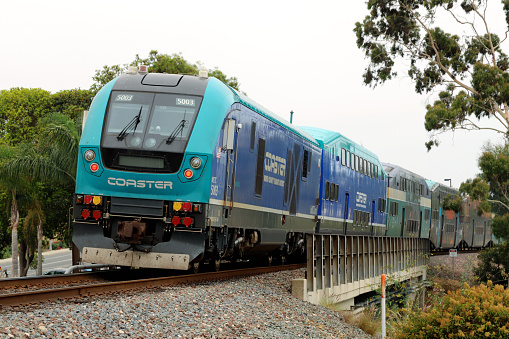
{"points": [[133, 123], [176, 131]]}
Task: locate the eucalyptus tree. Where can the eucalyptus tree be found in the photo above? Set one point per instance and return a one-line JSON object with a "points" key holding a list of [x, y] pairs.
{"points": [[445, 46]]}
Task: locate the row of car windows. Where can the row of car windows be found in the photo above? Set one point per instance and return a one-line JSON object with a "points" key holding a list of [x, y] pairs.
{"points": [[451, 228], [411, 186], [361, 218], [359, 164], [394, 210], [412, 226]]}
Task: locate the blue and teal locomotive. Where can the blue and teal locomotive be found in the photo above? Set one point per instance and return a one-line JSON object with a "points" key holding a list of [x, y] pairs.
{"points": [[178, 170]]}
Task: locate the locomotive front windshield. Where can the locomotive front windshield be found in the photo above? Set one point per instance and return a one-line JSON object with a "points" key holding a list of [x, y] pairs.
{"points": [[142, 130]]}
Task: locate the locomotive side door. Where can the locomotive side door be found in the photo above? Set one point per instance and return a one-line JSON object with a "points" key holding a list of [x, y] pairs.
{"points": [[230, 146]]}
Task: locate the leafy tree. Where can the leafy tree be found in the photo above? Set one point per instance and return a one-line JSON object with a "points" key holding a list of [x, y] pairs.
{"points": [[105, 75], [53, 161], [452, 203], [20, 110], [13, 185], [469, 70], [493, 264], [56, 203], [158, 63], [71, 102], [164, 63], [5, 233], [491, 187]]}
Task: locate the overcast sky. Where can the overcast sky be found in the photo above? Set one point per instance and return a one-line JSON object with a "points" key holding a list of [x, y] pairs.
{"points": [[287, 55]]}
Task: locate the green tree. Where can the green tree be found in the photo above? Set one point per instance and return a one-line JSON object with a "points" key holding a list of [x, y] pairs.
{"points": [[5, 233], [493, 264], [159, 63], [164, 63], [72, 102], [491, 187], [13, 185], [452, 203], [470, 70], [52, 160], [20, 110]]}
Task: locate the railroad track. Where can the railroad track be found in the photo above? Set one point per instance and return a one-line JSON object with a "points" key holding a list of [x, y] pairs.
{"points": [[87, 290], [446, 252], [48, 280]]}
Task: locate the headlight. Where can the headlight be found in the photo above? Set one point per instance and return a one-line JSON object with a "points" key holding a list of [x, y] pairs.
{"points": [[89, 155], [195, 162]]}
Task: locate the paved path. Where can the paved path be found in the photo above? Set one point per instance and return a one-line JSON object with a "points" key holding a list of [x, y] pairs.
{"points": [[52, 259]]}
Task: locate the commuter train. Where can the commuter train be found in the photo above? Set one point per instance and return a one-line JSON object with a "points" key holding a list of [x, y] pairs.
{"points": [[177, 170]]}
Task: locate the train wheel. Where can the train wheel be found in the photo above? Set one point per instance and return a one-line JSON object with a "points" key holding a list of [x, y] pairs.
{"points": [[217, 265], [196, 267]]}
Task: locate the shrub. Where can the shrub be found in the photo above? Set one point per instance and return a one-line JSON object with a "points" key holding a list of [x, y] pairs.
{"points": [[472, 312], [493, 264], [5, 253]]}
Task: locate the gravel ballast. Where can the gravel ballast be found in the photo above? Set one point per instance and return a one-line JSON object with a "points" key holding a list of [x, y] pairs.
{"points": [[254, 307]]}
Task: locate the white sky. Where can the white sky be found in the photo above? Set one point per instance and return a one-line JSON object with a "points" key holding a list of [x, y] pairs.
{"points": [[288, 55]]}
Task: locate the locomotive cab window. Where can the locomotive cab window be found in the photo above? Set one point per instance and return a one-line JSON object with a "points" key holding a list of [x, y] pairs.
{"points": [[147, 131]]}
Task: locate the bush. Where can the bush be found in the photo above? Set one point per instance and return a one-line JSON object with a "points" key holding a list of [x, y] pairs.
{"points": [[493, 264], [472, 312], [60, 244], [34, 262], [5, 253]]}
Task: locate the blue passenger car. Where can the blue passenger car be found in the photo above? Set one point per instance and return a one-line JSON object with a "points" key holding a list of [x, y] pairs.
{"points": [[353, 187]]}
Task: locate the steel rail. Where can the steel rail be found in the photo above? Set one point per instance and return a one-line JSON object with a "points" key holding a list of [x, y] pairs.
{"points": [[49, 279], [446, 252], [32, 297]]}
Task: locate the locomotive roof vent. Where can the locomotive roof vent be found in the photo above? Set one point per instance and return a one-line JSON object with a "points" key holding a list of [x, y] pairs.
{"points": [[158, 79]]}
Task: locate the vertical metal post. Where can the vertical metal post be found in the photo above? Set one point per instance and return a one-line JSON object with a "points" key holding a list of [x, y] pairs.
{"points": [[452, 268], [383, 307], [291, 117]]}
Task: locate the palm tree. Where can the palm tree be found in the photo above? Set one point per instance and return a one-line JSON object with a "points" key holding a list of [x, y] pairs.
{"points": [[13, 184], [51, 160]]}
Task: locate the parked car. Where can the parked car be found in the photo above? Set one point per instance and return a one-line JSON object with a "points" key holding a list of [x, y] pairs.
{"points": [[56, 271]]}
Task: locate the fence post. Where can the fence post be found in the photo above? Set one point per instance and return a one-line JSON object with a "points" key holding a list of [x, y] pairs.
{"points": [[383, 306]]}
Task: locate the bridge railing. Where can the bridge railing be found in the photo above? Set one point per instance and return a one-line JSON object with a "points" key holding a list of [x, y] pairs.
{"points": [[339, 267]]}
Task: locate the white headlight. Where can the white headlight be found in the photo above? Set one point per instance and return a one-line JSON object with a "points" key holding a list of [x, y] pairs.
{"points": [[89, 155], [195, 162]]}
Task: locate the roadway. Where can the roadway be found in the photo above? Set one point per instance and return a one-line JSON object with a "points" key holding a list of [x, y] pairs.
{"points": [[52, 259]]}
